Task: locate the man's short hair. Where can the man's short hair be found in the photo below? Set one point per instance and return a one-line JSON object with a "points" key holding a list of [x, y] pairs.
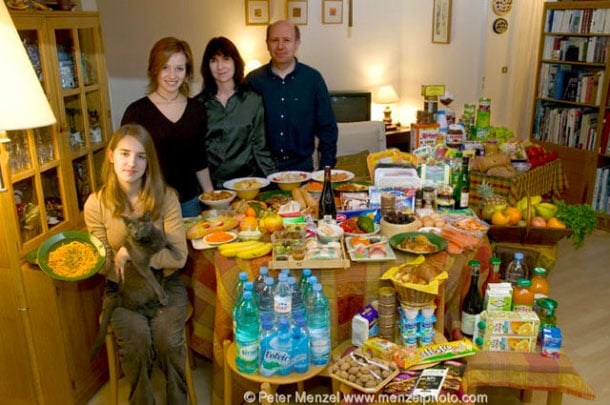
{"points": [[297, 31]]}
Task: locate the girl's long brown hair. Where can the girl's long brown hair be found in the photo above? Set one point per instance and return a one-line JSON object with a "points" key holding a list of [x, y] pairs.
{"points": [[160, 53]]}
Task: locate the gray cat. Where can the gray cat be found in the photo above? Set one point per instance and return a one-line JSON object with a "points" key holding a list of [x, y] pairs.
{"points": [[139, 290]]}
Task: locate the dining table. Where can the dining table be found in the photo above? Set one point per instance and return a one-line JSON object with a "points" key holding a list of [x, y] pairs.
{"points": [[210, 278]]}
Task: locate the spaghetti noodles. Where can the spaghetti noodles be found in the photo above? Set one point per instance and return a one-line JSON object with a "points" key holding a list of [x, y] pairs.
{"points": [[73, 259]]}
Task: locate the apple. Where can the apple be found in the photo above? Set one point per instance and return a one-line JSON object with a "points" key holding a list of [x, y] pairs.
{"points": [[538, 222], [521, 223]]}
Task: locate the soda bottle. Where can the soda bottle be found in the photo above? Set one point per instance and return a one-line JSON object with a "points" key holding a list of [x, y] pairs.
{"points": [[494, 272], [318, 323], [298, 306], [259, 281], [239, 286], [300, 345], [326, 205], [282, 299], [473, 302], [304, 280], [516, 269], [267, 366], [280, 347], [246, 335], [265, 301]]}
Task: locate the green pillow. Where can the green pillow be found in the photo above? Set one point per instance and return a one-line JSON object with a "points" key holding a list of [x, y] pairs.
{"points": [[355, 163]]}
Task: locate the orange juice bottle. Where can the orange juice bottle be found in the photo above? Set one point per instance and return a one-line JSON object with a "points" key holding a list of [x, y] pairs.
{"points": [[540, 287], [523, 297]]}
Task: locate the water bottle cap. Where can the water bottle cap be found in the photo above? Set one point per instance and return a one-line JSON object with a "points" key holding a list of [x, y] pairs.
{"points": [[283, 321], [285, 271], [541, 271], [269, 280], [283, 277], [519, 256], [307, 272], [266, 317], [313, 280], [249, 285], [292, 280], [524, 282], [300, 321], [317, 287], [263, 270], [247, 294], [243, 276]]}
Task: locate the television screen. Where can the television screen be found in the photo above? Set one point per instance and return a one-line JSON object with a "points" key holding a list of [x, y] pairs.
{"points": [[350, 106]]}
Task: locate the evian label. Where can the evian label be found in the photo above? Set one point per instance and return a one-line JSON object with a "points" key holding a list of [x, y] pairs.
{"points": [[247, 352], [282, 305]]}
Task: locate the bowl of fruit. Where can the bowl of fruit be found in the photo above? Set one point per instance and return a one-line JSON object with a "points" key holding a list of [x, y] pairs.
{"points": [[396, 222]]}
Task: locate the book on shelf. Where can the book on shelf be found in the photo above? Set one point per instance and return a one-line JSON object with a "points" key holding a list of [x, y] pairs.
{"points": [[603, 143], [604, 191]]}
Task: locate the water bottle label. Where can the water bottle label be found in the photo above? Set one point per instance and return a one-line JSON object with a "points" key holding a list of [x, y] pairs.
{"points": [[282, 305], [319, 341], [276, 359], [247, 351]]}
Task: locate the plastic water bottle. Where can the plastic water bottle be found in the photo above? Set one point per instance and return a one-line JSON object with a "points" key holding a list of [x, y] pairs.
{"points": [[239, 286], [282, 299], [268, 331], [300, 345], [248, 286], [247, 335], [280, 348], [304, 280], [308, 287], [318, 322], [259, 281], [265, 301], [298, 306], [516, 269]]}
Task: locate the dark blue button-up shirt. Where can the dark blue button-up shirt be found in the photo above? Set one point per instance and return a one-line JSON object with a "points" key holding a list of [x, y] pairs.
{"points": [[297, 109]]}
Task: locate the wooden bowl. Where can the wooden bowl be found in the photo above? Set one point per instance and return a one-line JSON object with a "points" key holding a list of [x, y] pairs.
{"points": [[389, 229]]}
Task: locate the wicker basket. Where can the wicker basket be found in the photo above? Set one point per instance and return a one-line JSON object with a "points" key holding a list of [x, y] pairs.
{"points": [[411, 297]]}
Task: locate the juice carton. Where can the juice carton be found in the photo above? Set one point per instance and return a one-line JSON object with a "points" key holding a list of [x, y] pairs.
{"points": [[551, 342], [508, 323], [498, 297], [500, 343]]}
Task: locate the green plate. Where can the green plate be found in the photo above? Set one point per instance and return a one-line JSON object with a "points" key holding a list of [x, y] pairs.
{"points": [[56, 241], [264, 196], [32, 257], [397, 239], [359, 186]]}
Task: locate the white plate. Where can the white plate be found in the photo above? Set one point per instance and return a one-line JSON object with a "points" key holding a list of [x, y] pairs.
{"points": [[319, 175], [218, 203], [200, 244], [230, 184], [377, 228], [382, 239], [205, 238], [295, 177]]}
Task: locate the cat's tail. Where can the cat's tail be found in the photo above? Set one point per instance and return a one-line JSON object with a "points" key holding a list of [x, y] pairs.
{"points": [[101, 335]]}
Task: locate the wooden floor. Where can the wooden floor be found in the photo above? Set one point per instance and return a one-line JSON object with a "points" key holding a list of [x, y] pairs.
{"points": [[580, 282]]}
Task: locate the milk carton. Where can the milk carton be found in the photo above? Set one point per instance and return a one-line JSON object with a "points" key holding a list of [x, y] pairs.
{"points": [[498, 297], [364, 325]]}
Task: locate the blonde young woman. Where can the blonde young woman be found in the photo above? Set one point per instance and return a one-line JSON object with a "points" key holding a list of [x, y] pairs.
{"points": [[133, 185], [176, 123]]}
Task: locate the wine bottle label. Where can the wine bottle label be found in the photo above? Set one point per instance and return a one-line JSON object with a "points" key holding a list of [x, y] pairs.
{"points": [[468, 323], [464, 198]]}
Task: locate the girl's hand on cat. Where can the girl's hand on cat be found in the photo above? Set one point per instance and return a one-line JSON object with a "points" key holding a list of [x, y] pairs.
{"points": [[120, 258]]}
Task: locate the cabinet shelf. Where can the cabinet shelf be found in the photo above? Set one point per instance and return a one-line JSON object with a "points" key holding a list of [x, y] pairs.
{"points": [[567, 102]]}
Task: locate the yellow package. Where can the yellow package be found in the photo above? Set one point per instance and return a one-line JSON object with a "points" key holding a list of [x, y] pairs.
{"points": [[446, 351], [384, 349]]}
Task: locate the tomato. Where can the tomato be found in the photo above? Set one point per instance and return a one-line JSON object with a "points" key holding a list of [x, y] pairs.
{"points": [[350, 225]]}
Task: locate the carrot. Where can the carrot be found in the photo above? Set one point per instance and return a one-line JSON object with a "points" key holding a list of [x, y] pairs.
{"points": [[461, 239], [454, 249]]}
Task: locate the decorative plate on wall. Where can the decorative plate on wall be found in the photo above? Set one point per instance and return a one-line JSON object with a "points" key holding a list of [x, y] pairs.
{"points": [[500, 25], [502, 7]]}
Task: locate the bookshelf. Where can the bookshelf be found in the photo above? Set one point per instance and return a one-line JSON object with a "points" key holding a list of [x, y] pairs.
{"points": [[571, 107]]}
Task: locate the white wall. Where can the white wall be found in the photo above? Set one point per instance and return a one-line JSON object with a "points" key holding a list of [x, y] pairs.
{"points": [[389, 43]]}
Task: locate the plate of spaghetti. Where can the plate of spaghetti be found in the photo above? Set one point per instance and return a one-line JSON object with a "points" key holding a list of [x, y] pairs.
{"points": [[71, 256]]}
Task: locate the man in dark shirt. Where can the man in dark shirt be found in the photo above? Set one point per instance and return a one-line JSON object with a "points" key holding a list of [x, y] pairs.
{"points": [[297, 104]]}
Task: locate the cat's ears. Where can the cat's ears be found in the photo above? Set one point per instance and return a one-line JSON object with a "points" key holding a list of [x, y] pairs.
{"points": [[128, 219], [146, 216]]}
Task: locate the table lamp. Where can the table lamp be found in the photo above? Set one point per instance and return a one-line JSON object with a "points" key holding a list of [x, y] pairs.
{"points": [[387, 95], [23, 104]]}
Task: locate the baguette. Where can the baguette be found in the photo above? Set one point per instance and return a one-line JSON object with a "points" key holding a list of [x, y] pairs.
{"points": [[298, 197]]}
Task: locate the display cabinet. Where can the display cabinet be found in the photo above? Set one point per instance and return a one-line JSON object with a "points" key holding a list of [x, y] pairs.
{"points": [[50, 171], [571, 113]]}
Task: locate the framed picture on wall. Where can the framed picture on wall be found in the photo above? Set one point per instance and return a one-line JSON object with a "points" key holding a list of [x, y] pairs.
{"points": [[296, 11], [441, 21], [332, 11], [257, 12]]}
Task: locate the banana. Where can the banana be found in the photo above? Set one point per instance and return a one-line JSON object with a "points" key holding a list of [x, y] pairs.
{"points": [[235, 245], [255, 252], [238, 249]]}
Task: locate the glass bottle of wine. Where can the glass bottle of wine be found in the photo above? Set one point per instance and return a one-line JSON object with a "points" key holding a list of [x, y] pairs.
{"points": [[326, 207], [461, 190], [473, 302]]}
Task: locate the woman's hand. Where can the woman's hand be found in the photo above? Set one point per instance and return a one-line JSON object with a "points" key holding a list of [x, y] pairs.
{"points": [[120, 258]]}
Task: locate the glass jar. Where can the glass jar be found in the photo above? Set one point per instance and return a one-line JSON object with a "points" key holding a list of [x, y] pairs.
{"points": [[491, 147], [523, 297], [444, 198], [429, 197], [546, 308], [540, 286]]}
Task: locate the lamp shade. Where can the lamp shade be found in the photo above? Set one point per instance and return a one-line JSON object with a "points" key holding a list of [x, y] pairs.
{"points": [[386, 95], [23, 103]]}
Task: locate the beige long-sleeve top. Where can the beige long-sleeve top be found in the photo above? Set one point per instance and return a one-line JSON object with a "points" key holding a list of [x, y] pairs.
{"points": [[111, 231]]}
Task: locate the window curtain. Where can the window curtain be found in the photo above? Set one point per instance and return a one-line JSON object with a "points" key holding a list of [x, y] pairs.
{"points": [[527, 26]]}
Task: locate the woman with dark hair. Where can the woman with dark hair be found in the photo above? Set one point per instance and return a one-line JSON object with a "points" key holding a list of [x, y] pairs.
{"points": [[235, 139], [132, 184], [176, 123]]}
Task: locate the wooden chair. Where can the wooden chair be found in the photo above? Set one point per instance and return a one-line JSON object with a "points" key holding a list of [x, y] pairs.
{"points": [[114, 370]]}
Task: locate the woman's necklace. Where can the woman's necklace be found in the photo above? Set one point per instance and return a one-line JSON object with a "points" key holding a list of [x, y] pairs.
{"points": [[168, 100]]}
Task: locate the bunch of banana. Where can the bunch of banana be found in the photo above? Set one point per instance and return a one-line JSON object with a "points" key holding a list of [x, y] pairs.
{"points": [[245, 250]]}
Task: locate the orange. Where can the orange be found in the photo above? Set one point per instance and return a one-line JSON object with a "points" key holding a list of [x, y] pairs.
{"points": [[250, 212], [500, 217], [249, 223], [514, 215], [555, 223]]}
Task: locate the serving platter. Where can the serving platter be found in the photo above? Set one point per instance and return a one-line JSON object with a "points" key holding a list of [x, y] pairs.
{"points": [[289, 177], [438, 241], [230, 184], [63, 239], [336, 175], [390, 256], [352, 186], [209, 238]]}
